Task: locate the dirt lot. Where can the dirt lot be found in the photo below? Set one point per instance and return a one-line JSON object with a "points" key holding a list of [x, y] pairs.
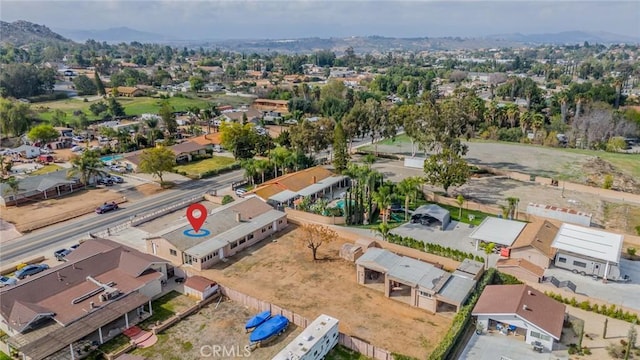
{"points": [[222, 327], [56, 209], [283, 273]]}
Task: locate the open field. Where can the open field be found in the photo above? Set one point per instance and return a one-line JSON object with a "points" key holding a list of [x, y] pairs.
{"points": [[283, 273], [214, 325], [134, 106], [202, 166], [560, 163]]}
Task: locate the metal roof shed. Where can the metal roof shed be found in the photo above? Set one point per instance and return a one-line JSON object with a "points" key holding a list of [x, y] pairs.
{"points": [[589, 242], [498, 231]]}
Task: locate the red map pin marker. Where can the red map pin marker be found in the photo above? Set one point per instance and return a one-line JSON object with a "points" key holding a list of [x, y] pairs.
{"points": [[196, 222]]}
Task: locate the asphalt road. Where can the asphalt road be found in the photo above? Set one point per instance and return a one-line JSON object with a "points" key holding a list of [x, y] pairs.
{"points": [[60, 234]]}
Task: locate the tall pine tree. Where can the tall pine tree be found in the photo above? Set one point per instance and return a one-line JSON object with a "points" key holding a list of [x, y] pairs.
{"points": [[340, 154], [99, 84]]}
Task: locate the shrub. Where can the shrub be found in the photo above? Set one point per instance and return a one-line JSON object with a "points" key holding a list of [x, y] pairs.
{"points": [[631, 251], [573, 349], [586, 351], [608, 182], [227, 199], [638, 229]]}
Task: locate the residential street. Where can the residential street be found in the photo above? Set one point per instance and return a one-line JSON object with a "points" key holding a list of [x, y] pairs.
{"points": [[60, 235]]}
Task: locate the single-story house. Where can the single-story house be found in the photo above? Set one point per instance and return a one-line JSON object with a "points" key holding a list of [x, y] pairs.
{"points": [[200, 287], [127, 91], [103, 288], [253, 116], [27, 151], [38, 187], [281, 106], [523, 311], [534, 243], [523, 269], [501, 232], [414, 282], [231, 228], [208, 140], [313, 182], [187, 150]]}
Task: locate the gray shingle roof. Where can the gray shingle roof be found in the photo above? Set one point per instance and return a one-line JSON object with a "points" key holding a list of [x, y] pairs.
{"points": [[457, 288], [39, 183]]}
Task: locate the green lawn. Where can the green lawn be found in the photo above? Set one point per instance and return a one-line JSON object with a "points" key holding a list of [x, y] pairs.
{"points": [[478, 216], [198, 167], [342, 353], [402, 138], [46, 169], [163, 308], [132, 106]]}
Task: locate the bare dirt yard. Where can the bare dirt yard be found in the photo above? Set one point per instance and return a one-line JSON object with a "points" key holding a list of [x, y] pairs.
{"points": [[283, 273], [211, 329], [24, 217]]}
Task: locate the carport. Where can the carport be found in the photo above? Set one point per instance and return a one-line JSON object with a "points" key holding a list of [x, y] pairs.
{"points": [[431, 215], [501, 232]]}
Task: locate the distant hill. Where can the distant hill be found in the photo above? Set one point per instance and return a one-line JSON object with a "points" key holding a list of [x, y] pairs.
{"points": [[114, 35], [23, 32], [567, 37]]}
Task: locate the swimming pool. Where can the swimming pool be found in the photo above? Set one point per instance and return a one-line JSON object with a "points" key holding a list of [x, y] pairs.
{"points": [[111, 158]]}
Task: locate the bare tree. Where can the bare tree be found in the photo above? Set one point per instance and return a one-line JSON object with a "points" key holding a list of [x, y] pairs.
{"points": [[316, 235]]}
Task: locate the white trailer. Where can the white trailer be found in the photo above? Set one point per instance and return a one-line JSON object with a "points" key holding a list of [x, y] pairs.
{"points": [[314, 343], [587, 266]]}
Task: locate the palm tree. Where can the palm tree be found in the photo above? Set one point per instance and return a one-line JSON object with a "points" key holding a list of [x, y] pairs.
{"points": [[513, 207], [279, 156], [249, 166], [525, 121], [194, 113], [86, 166], [383, 198], [460, 202], [537, 121], [406, 187], [152, 124], [382, 230], [13, 188], [512, 112], [261, 166], [563, 99]]}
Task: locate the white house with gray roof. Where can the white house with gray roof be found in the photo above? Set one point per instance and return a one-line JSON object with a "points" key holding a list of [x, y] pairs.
{"points": [[232, 228], [413, 281], [39, 187]]}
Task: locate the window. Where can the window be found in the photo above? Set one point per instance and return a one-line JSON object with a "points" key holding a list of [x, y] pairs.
{"points": [[540, 336], [250, 236], [234, 245], [580, 264], [279, 221], [215, 253], [263, 229], [562, 260], [270, 227], [242, 241], [425, 294], [173, 252]]}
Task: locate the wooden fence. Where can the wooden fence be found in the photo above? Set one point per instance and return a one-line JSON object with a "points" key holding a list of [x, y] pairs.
{"points": [[345, 340]]}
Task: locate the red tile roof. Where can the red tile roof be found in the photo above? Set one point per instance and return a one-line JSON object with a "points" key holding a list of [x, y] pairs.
{"points": [[524, 302]]}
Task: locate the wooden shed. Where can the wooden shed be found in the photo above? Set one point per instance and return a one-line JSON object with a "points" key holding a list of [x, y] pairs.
{"points": [[351, 252]]}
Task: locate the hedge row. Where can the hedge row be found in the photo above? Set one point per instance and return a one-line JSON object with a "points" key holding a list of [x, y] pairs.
{"points": [[212, 172], [611, 311], [435, 249], [461, 320]]}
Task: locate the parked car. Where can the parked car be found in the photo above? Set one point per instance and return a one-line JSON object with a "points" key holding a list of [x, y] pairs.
{"points": [[106, 207], [61, 254], [77, 148], [241, 192], [179, 280], [30, 270], [105, 182], [78, 139], [6, 281], [116, 179]]}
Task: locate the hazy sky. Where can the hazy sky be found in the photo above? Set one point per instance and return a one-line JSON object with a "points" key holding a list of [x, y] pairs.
{"points": [[293, 19]]}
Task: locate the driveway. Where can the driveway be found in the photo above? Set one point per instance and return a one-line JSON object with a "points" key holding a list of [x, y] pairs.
{"points": [[624, 294], [501, 347]]}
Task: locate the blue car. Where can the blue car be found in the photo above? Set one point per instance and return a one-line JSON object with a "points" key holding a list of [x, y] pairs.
{"points": [[31, 270], [6, 281]]}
